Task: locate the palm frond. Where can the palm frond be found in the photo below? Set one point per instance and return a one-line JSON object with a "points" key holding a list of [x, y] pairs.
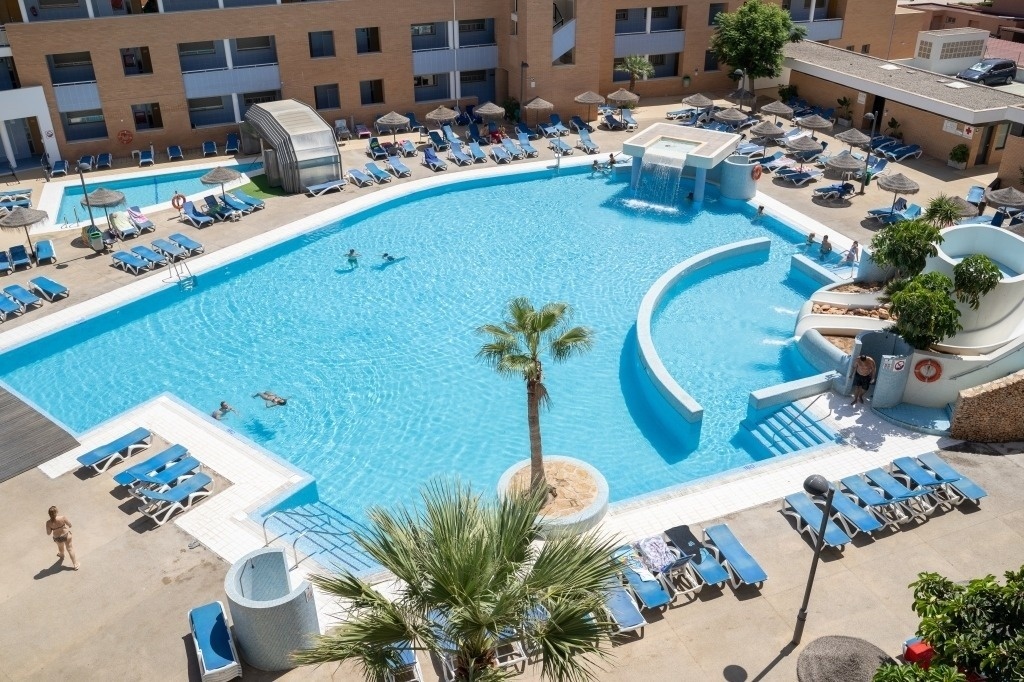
{"points": [[570, 342], [569, 640], [580, 563]]}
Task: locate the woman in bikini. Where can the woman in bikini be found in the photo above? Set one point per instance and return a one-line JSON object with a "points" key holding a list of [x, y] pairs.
{"points": [[60, 528]]}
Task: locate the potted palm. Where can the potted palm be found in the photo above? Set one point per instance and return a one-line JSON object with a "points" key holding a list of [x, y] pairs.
{"points": [[843, 116], [958, 156]]}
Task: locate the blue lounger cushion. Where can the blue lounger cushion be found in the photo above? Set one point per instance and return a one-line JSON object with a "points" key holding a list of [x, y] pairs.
{"points": [[9, 308], [163, 479], [211, 637], [963, 485], [808, 519], [45, 251], [149, 254], [252, 201], [651, 593], [622, 609], [20, 256], [236, 204], [161, 505], [23, 296], [49, 289], [186, 242], [852, 517], [5, 262], [170, 249], [743, 568], [702, 560], [100, 459], [151, 465]]}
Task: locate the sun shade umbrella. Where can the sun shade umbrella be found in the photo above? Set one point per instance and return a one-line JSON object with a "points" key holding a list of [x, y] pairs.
{"points": [[104, 198], [839, 658], [766, 132], [814, 123], [741, 95], [220, 175], [394, 121], [730, 116], [965, 208], [844, 162], [22, 218], [538, 104], [442, 113], [1008, 197], [623, 96], [777, 109], [805, 144], [489, 110], [901, 184], [698, 101], [590, 99], [853, 137]]}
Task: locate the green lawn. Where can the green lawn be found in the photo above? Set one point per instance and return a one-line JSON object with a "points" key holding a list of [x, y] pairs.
{"points": [[259, 188]]}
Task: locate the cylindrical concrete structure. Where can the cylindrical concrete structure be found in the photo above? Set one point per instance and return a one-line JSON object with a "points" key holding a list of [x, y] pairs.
{"points": [[737, 178], [271, 620], [634, 178]]}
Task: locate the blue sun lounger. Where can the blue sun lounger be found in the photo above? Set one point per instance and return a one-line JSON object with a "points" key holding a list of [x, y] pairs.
{"points": [[162, 459], [586, 143], [514, 150], [5, 262], [396, 166], [450, 135], [414, 125], [23, 296], [377, 173], [186, 242], [891, 512], [174, 153], [500, 154], [146, 158], [104, 160], [209, 148], [129, 262], [651, 593], [921, 500], [236, 204], [45, 252], [439, 143], [556, 123], [257, 204], [102, 458], [545, 130], [524, 142], [60, 168], [628, 120], [169, 249], [613, 123], [742, 567], [701, 560], [852, 517], [808, 517], [559, 146], [148, 254], [456, 154], [325, 187], [360, 178], [374, 150], [476, 152], [20, 256], [160, 506], [49, 289], [622, 610], [9, 308], [215, 649], [139, 220], [218, 210], [431, 160], [231, 145], [963, 487], [578, 124], [86, 162], [165, 479], [976, 194]]}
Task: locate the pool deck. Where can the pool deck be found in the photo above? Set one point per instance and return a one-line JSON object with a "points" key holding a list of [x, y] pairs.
{"points": [[151, 577]]}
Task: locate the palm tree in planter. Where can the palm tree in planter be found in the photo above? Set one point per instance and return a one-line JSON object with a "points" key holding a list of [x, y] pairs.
{"points": [[470, 584], [942, 212], [514, 349], [637, 66]]}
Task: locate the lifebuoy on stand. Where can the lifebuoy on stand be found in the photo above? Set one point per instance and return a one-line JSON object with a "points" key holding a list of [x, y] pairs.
{"points": [[755, 172], [125, 137], [928, 370], [178, 201]]}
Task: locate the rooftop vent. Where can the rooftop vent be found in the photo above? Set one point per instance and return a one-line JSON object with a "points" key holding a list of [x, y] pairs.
{"points": [[889, 67], [957, 85]]}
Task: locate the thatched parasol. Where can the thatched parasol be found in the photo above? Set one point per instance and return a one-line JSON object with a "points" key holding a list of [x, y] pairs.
{"points": [[589, 98], [853, 137], [105, 198], [777, 109], [489, 110], [394, 121], [901, 184], [835, 657], [766, 132], [699, 101], [805, 144], [443, 113], [964, 207], [623, 96], [22, 218], [1008, 197], [741, 95], [220, 175], [844, 162], [814, 123], [538, 104], [730, 116]]}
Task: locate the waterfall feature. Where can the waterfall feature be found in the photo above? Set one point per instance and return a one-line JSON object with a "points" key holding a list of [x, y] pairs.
{"points": [[660, 186]]}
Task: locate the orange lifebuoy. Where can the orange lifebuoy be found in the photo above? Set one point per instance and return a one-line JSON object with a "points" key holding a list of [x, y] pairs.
{"points": [[928, 371], [755, 172], [125, 137], [178, 201]]}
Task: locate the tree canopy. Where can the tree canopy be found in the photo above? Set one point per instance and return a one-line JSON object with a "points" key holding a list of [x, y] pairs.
{"points": [[924, 310], [973, 277], [752, 38], [637, 66], [906, 245]]}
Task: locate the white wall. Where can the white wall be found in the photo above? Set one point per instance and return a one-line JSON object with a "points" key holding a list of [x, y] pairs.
{"points": [[30, 103]]}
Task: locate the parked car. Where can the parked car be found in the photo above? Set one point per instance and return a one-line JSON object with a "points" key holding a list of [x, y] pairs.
{"points": [[990, 72]]}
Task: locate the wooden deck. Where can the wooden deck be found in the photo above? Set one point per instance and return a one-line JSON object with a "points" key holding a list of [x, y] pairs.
{"points": [[27, 437]]}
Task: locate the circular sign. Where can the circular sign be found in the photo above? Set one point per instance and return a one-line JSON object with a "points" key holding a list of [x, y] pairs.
{"points": [[49, 133], [899, 364]]}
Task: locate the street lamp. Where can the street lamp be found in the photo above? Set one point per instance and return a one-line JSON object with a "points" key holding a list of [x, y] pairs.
{"points": [[864, 177], [814, 485], [85, 193], [740, 76], [522, 85]]}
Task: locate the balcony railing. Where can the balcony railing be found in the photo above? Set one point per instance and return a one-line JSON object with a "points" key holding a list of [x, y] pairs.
{"points": [[662, 42], [80, 96], [563, 39], [220, 82], [822, 29]]}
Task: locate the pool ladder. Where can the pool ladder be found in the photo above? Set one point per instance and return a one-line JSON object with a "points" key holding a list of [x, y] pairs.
{"points": [[180, 272]]}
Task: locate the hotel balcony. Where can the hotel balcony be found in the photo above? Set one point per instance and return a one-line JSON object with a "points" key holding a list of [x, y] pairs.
{"points": [[219, 82], [77, 96]]}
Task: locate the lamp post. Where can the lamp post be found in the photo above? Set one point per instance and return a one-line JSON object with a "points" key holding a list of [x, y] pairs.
{"points": [[864, 177], [85, 193], [522, 87], [740, 76], [814, 485]]}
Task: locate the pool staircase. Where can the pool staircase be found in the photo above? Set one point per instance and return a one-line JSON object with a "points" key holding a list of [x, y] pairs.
{"points": [[790, 429], [320, 532], [179, 271]]}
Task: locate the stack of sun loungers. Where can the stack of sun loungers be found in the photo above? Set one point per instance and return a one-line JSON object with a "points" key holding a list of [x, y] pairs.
{"points": [[911, 490], [215, 648]]}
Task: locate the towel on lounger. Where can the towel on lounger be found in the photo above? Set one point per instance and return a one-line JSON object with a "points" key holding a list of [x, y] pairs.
{"points": [[632, 561], [655, 553]]}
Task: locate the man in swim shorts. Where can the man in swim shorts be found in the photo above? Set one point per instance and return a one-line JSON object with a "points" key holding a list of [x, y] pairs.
{"points": [[271, 399], [353, 259], [863, 376], [222, 411]]}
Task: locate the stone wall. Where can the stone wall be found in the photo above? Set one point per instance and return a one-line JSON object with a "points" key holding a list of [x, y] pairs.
{"points": [[992, 412]]}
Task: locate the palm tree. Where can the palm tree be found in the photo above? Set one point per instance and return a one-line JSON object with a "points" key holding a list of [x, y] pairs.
{"points": [[514, 350], [470, 582], [942, 212], [637, 66]]}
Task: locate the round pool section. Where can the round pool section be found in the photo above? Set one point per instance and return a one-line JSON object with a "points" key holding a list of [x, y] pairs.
{"points": [[379, 361]]}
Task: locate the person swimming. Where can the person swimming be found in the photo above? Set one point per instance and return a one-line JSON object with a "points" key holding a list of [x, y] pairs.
{"points": [[222, 411], [353, 258], [271, 399], [388, 258]]}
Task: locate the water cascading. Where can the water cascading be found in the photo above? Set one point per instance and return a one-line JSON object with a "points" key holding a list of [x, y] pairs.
{"points": [[660, 184]]}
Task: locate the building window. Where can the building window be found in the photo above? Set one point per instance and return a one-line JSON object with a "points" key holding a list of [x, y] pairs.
{"points": [[257, 43], [513, 28], [70, 59], [710, 61], [77, 118], [472, 26], [864, 49], [147, 116], [84, 125], [659, 13], [962, 49], [371, 92], [714, 10], [53, 4], [657, 60], [850, 48], [205, 103], [1000, 137], [250, 98], [326, 96], [424, 81], [321, 44], [473, 77], [188, 49], [950, 20], [422, 29], [367, 40], [622, 15], [924, 50], [136, 61]]}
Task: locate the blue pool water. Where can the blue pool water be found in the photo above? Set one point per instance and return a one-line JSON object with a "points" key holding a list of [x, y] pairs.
{"points": [[379, 362], [142, 190]]}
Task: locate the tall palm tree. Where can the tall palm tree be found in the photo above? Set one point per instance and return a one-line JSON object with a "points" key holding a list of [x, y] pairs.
{"points": [[470, 583], [637, 66], [514, 350]]}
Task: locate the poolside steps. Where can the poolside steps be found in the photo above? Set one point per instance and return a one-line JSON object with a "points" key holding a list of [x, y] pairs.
{"points": [[322, 533], [789, 429], [931, 420]]}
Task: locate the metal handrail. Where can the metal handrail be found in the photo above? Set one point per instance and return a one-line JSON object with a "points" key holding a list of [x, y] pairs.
{"points": [[231, 68], [62, 85], [799, 414]]}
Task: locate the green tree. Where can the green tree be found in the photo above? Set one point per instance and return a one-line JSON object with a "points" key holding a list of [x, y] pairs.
{"points": [[978, 626], [973, 277], [752, 38], [469, 579], [942, 212], [637, 66], [892, 672], [514, 349], [925, 313], [906, 246]]}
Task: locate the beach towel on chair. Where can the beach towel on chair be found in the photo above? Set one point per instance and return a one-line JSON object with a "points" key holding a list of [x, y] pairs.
{"points": [[655, 553]]}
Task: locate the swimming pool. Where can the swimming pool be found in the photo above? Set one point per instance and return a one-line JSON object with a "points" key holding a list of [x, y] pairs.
{"points": [[379, 362], [143, 190]]}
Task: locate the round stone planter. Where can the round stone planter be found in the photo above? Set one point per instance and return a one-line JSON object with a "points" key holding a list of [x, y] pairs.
{"points": [[567, 523]]}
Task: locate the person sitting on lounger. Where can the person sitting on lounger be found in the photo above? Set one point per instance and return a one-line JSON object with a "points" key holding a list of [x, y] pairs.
{"points": [[271, 399], [826, 248], [222, 411], [353, 259]]}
